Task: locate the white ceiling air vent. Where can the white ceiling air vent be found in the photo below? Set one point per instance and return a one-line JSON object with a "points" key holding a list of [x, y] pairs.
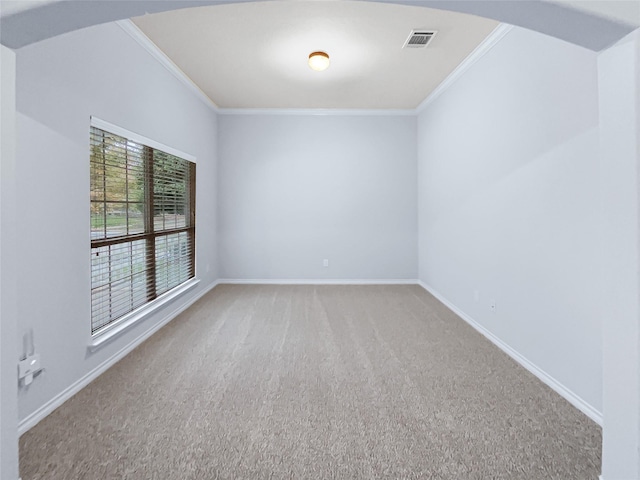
{"points": [[419, 38]]}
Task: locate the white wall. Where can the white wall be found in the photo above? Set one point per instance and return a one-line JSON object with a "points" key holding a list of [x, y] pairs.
{"points": [[619, 86], [297, 189], [8, 262], [61, 82], [510, 204]]}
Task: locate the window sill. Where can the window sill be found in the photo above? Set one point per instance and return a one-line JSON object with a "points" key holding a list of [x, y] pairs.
{"points": [[125, 323]]}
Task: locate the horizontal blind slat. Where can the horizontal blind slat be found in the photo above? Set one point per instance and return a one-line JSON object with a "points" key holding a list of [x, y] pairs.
{"points": [[137, 254]]}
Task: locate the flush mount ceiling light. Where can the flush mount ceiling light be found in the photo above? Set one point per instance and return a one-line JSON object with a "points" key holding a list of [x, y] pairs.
{"points": [[318, 61]]}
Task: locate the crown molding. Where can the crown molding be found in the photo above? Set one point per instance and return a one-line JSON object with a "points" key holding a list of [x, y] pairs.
{"points": [[492, 39], [319, 111], [480, 51], [134, 32]]}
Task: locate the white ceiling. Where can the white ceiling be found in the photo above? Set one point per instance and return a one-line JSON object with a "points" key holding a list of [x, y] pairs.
{"points": [[254, 55]]}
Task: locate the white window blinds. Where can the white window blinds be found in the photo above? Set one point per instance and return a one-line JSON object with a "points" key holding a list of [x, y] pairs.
{"points": [[142, 225]]}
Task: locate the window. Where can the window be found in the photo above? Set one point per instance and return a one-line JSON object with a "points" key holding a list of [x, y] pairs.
{"points": [[142, 223]]}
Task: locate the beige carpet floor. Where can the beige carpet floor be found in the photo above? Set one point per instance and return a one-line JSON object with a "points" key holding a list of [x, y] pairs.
{"points": [[314, 382]]}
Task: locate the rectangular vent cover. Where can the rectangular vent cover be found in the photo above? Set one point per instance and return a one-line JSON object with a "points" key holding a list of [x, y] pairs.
{"points": [[419, 39]]}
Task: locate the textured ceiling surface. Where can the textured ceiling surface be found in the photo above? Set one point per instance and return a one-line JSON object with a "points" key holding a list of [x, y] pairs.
{"points": [[254, 55]]}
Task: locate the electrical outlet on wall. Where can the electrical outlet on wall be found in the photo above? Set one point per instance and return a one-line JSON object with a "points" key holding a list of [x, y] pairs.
{"points": [[492, 306], [28, 368], [325, 262]]}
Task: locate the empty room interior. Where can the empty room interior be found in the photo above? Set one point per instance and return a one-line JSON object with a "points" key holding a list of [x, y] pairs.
{"points": [[320, 239]]}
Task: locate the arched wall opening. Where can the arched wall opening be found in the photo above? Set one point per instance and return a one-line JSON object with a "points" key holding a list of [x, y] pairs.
{"points": [[619, 125], [50, 18]]}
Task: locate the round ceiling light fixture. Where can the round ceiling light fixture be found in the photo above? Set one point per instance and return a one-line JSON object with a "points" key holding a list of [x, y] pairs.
{"points": [[318, 61]]}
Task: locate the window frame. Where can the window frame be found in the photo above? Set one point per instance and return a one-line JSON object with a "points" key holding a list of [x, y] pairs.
{"points": [[153, 302]]}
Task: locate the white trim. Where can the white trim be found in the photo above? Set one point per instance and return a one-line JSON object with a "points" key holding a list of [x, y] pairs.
{"points": [[487, 44], [316, 281], [480, 51], [32, 420], [117, 328], [138, 35], [136, 137], [346, 112], [547, 379]]}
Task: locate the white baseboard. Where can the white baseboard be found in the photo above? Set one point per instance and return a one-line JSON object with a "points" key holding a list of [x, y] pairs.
{"points": [[32, 420], [558, 387], [317, 281], [35, 417]]}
